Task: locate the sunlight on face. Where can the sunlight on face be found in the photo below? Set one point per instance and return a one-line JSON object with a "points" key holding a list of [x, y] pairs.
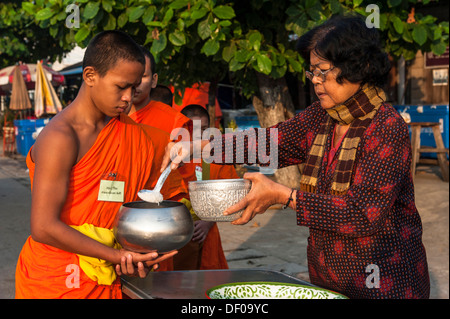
{"points": [[329, 92]]}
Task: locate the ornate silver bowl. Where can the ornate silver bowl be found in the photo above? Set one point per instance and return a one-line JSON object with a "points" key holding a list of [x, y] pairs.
{"points": [[210, 198], [144, 227]]}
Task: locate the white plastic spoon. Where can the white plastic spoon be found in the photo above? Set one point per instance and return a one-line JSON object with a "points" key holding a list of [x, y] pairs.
{"points": [[154, 196]]}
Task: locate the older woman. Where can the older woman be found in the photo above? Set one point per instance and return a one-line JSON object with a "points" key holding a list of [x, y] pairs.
{"points": [[356, 192]]}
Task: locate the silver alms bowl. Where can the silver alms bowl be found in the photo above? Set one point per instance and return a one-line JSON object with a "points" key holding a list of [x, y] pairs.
{"points": [[211, 197], [144, 227]]}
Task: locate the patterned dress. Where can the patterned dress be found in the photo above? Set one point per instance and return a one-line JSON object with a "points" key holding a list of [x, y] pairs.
{"points": [[367, 243]]}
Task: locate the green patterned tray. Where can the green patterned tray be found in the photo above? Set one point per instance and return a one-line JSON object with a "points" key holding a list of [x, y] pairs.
{"points": [[269, 290]]}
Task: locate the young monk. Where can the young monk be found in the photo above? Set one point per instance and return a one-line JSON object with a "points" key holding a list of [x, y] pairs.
{"points": [[206, 243], [163, 94], [174, 186], [87, 150], [156, 116], [151, 112]]}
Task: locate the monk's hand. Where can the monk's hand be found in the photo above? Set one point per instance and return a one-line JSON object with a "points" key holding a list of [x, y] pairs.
{"points": [[201, 230], [263, 194], [135, 264], [175, 154]]}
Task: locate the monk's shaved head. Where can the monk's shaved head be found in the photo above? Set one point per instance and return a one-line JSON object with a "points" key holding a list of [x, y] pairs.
{"points": [[108, 47], [195, 110]]}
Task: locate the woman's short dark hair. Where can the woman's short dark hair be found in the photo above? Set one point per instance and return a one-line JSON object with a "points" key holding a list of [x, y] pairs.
{"points": [[351, 46]]}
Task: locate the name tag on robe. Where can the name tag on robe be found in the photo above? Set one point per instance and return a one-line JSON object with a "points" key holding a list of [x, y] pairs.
{"points": [[111, 191]]}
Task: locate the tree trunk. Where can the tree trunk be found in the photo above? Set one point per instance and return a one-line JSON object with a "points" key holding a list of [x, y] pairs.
{"points": [[212, 93], [274, 106]]}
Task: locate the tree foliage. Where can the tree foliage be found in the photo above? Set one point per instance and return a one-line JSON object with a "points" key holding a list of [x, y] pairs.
{"points": [[197, 40]]}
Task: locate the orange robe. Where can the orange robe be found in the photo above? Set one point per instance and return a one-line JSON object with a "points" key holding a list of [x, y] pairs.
{"points": [[162, 116], [213, 256], [44, 271], [174, 187], [198, 94]]}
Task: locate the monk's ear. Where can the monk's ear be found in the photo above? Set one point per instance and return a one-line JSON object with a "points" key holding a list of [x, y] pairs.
{"points": [[154, 80], [89, 75]]}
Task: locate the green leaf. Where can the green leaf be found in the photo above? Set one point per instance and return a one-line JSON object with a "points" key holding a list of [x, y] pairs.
{"points": [[293, 11], [224, 12], [210, 47], [203, 29], [264, 64], [235, 65], [61, 16], [81, 34], [53, 31], [107, 5], [398, 24], [279, 71], [168, 16], [158, 24], [159, 44], [357, 3], [91, 10], [198, 14], [242, 55], [178, 4], [135, 13], [296, 66], [28, 7], [111, 24], [437, 34], [394, 3], [409, 54], [44, 14], [255, 40], [228, 52], [314, 14], [122, 19], [335, 6], [419, 34], [177, 38], [149, 14], [406, 35], [439, 48]]}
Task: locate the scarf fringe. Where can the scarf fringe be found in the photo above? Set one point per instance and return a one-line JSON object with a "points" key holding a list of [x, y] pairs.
{"points": [[312, 189]]}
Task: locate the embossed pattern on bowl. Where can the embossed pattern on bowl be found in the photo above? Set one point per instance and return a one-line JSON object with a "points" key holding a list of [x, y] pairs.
{"points": [[211, 198]]}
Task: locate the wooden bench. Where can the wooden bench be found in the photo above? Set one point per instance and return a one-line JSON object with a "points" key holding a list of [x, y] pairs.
{"points": [[417, 149]]}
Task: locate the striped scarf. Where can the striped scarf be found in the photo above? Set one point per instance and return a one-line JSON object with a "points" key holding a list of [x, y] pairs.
{"points": [[358, 111]]}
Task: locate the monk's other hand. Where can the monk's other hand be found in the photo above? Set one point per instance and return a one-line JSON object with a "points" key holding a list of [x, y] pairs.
{"points": [[176, 153], [155, 263]]}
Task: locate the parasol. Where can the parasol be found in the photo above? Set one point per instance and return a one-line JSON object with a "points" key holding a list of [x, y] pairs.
{"points": [[45, 99], [29, 75], [19, 94]]}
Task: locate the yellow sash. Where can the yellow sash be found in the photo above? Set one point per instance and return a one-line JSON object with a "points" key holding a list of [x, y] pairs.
{"points": [[97, 269]]}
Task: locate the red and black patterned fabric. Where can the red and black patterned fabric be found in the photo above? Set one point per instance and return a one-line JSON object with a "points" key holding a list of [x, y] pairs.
{"points": [[368, 242]]}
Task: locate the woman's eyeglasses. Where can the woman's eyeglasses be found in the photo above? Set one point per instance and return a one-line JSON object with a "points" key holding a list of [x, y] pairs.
{"points": [[318, 73]]}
